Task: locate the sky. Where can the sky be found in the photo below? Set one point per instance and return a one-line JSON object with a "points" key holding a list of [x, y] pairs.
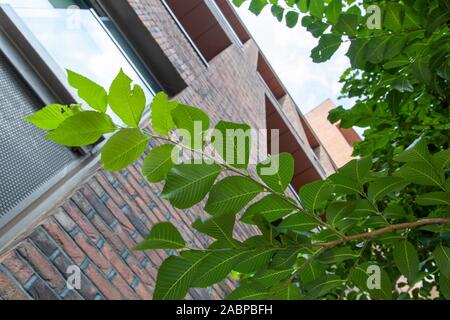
{"points": [[288, 51]]}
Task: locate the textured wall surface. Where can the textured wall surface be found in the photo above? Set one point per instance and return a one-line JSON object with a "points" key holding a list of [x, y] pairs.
{"points": [[96, 227]]}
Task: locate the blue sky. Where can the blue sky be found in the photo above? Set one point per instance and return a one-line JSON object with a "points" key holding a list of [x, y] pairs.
{"points": [[288, 51]]}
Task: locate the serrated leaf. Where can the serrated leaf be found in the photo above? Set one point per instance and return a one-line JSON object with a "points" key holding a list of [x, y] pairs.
{"points": [[328, 45], [382, 186], [407, 260], [299, 222], [231, 195], [194, 121], [285, 258], [277, 171], [314, 195], [441, 255], [82, 129], [434, 199], [123, 148], [126, 102], [220, 227], [158, 162], [363, 208], [50, 117], [163, 235], [94, 94], [333, 11], [188, 184], [233, 141], [270, 207], [176, 275], [162, 121]]}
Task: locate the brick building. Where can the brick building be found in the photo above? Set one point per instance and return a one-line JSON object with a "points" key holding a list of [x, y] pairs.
{"points": [[337, 141], [58, 208]]}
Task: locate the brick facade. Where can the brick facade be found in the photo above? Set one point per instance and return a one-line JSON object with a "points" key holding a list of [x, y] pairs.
{"points": [[97, 225]]}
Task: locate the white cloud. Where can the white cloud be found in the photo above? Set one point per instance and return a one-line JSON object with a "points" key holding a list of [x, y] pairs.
{"points": [[288, 51]]}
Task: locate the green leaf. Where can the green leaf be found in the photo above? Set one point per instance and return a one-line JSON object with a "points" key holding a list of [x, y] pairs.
{"points": [[338, 210], [287, 292], [347, 23], [434, 199], [420, 174], [363, 208], [219, 227], [403, 85], [231, 194], [412, 19], [176, 275], [441, 160], [277, 171], [249, 292], [416, 152], [444, 286], [233, 141], [376, 49], [163, 235], [268, 278], [361, 276], [256, 6], [333, 11], [188, 184], [277, 12], [128, 104], [393, 16], [314, 195], [317, 28], [291, 19], [312, 271], [357, 53], [328, 45], [50, 117], [238, 3], [94, 94], [442, 257], [395, 46], [285, 258], [123, 148], [358, 170], [317, 8], [270, 207], [255, 259], [396, 62], [323, 286], [382, 186], [216, 267], [337, 255], [158, 162], [407, 260], [299, 222], [162, 121], [194, 121], [303, 5], [421, 71], [82, 129]]}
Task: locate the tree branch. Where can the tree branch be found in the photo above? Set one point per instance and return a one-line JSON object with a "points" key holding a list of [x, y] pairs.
{"points": [[392, 227]]}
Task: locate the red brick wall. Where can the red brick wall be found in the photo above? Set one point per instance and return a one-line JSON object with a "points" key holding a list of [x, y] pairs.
{"points": [[96, 227]]}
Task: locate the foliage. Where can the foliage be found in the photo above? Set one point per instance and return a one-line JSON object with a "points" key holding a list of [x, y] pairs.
{"points": [[298, 254], [399, 75]]}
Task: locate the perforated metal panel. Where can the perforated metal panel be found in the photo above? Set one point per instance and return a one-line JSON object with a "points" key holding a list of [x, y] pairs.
{"points": [[27, 159]]}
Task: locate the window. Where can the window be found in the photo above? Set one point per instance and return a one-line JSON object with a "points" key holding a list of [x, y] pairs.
{"points": [[79, 36]]}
